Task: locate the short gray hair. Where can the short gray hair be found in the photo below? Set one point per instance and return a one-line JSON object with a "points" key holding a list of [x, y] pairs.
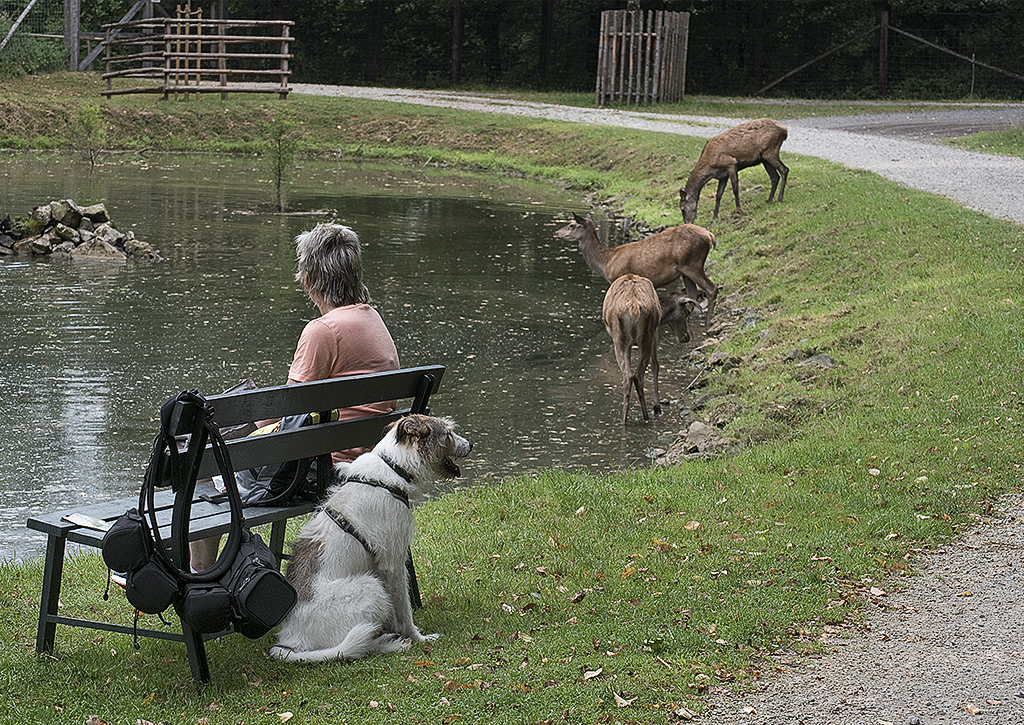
{"points": [[330, 264]]}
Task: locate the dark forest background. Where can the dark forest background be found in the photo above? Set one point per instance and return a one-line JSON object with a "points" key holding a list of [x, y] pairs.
{"points": [[736, 47]]}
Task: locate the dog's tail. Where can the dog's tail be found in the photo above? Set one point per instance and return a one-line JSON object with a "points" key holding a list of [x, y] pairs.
{"points": [[361, 640]]}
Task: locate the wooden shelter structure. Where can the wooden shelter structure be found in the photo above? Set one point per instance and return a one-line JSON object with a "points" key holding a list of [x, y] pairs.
{"points": [[642, 57]]}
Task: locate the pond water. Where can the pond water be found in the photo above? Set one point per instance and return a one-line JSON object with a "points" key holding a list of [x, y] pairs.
{"points": [[464, 270]]}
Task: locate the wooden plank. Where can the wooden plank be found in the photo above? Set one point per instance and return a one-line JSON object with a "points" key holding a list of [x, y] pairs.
{"points": [[346, 392]]}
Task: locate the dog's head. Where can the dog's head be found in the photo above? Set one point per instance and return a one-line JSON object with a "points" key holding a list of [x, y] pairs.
{"points": [[435, 442]]}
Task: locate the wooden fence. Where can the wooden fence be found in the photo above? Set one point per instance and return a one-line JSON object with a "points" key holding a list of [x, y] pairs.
{"points": [[642, 57], [189, 55]]}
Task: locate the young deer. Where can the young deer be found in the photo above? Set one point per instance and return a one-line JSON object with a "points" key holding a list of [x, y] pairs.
{"points": [[631, 315], [675, 313], [749, 144], [662, 258]]}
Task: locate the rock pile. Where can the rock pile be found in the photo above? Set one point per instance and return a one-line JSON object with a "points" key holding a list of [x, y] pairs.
{"points": [[63, 227]]}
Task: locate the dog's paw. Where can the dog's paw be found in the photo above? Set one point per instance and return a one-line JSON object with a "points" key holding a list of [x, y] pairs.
{"points": [[421, 638]]}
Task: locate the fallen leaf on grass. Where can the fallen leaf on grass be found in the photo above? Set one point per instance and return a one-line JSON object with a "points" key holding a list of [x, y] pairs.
{"points": [[285, 716], [876, 592], [591, 674], [691, 525], [623, 702]]}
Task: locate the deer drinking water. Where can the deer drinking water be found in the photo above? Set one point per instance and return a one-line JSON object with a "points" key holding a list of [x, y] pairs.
{"points": [[749, 144], [662, 258], [631, 314], [675, 314]]}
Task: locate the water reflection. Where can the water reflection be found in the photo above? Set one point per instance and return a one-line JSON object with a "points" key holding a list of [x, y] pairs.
{"points": [[464, 270]]}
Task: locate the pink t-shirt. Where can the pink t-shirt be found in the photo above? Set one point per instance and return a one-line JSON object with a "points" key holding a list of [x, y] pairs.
{"points": [[346, 341]]}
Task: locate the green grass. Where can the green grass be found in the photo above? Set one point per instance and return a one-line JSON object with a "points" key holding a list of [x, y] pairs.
{"points": [[1009, 142], [575, 598]]}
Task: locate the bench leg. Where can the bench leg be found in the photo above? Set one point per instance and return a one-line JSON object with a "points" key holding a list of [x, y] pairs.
{"points": [[52, 573], [196, 649], [276, 543], [414, 586]]}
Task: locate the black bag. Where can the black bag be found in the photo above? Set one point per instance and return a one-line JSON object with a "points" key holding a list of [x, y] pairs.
{"points": [[127, 545], [276, 483], [252, 595], [243, 590]]}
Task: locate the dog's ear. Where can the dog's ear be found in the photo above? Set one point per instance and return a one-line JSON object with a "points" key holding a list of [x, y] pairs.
{"points": [[411, 428]]}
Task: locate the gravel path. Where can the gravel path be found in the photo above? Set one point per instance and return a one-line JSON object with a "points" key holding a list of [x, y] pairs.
{"points": [[901, 147], [945, 647]]}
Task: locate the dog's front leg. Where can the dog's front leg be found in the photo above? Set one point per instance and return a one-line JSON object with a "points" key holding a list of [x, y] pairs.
{"points": [[396, 581]]}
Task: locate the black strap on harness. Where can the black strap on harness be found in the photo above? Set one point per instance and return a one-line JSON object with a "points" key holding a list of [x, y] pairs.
{"points": [[393, 490], [396, 468], [346, 526]]}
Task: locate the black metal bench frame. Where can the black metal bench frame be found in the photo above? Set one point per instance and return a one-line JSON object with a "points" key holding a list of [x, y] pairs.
{"points": [[202, 508]]}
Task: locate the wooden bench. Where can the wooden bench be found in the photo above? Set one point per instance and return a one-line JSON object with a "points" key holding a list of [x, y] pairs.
{"points": [[204, 509]]}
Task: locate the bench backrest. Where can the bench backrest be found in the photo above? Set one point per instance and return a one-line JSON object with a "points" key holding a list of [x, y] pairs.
{"points": [[413, 384], [316, 441]]}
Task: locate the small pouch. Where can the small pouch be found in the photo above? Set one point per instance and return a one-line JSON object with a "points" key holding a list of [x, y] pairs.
{"points": [[207, 607], [153, 587], [127, 545]]}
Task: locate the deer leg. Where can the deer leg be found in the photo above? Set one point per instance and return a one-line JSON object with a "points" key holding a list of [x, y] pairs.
{"points": [[638, 383], [774, 176], [783, 172], [709, 288], [718, 196], [654, 370], [734, 177], [622, 358]]}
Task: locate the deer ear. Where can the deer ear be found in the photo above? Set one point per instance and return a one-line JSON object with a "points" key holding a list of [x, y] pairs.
{"points": [[577, 218]]}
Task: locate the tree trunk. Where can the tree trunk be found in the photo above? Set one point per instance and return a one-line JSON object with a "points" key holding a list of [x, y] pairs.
{"points": [[457, 25]]}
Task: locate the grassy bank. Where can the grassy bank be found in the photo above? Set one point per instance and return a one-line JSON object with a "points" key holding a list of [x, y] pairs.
{"points": [[573, 598]]}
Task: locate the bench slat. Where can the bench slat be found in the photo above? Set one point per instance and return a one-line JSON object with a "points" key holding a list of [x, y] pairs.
{"points": [[353, 390]]}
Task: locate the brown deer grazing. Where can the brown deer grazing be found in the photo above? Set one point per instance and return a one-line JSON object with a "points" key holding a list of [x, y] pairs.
{"points": [[662, 258], [631, 315], [675, 312], [749, 144]]}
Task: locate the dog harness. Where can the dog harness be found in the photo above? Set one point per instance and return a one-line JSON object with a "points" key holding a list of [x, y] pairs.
{"points": [[393, 490], [346, 525]]}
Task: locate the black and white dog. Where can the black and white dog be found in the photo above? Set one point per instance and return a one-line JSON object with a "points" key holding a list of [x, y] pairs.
{"points": [[348, 564]]}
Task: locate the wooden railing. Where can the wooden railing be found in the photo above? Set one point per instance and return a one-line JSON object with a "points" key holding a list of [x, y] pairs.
{"points": [[183, 56]]}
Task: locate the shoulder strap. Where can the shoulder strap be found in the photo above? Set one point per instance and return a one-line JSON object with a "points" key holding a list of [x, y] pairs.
{"points": [[166, 441]]}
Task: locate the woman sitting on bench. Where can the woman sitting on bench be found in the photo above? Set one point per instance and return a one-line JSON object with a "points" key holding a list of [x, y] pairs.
{"points": [[349, 337]]}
